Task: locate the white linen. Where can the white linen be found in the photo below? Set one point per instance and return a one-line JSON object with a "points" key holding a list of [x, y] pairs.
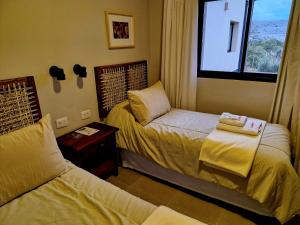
{"points": [[252, 127], [232, 119], [29, 157], [149, 103], [166, 216], [229, 151]]}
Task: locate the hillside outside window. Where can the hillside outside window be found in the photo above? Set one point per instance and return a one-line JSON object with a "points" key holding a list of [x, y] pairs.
{"points": [[242, 39]]}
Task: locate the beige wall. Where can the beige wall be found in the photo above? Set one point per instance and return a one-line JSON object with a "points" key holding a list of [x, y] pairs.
{"points": [[36, 34], [240, 97]]}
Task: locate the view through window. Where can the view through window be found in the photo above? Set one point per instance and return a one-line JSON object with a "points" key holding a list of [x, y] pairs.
{"points": [[267, 35], [221, 32], [242, 38]]}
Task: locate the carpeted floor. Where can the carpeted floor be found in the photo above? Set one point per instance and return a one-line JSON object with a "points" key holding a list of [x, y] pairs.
{"points": [[208, 210]]}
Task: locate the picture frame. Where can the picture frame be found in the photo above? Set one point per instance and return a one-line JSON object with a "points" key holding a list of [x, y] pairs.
{"points": [[120, 30]]}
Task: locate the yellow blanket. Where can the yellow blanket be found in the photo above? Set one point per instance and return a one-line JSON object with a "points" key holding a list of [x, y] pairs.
{"points": [[166, 216], [230, 151], [174, 141]]}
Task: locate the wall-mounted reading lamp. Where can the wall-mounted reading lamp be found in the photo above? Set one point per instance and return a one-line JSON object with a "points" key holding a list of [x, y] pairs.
{"points": [[79, 70], [57, 72]]}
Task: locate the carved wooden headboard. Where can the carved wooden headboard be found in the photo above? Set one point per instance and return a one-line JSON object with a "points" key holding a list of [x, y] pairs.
{"points": [[113, 82], [19, 104]]}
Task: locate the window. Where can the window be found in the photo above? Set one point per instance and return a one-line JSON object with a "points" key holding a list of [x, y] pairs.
{"points": [[233, 34], [241, 39]]}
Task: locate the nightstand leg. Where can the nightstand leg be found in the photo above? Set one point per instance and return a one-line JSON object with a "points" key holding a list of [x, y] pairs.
{"points": [[115, 171]]}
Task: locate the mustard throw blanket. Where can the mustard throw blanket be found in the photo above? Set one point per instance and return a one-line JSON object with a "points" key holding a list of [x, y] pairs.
{"points": [[232, 152]]}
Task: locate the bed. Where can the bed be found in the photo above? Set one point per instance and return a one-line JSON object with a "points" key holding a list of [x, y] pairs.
{"points": [[38, 186], [168, 148]]}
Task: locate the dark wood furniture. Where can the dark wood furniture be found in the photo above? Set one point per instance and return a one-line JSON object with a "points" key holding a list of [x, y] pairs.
{"points": [[19, 104], [96, 153], [113, 82]]}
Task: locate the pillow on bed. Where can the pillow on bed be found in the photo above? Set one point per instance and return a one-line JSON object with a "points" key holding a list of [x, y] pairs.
{"points": [[149, 103], [29, 157]]}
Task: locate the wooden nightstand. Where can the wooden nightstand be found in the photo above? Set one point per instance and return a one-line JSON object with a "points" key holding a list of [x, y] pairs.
{"points": [[96, 153]]}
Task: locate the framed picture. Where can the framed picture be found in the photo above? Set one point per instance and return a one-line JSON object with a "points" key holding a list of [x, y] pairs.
{"points": [[120, 30]]}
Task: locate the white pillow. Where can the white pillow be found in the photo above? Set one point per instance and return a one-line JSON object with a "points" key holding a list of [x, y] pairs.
{"points": [[29, 157], [149, 103]]}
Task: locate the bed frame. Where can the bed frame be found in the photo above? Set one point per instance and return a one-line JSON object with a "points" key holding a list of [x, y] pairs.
{"points": [[19, 104], [113, 82], [112, 85]]}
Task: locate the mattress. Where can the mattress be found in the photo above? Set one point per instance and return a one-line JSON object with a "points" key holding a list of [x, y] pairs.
{"points": [[76, 197], [174, 141]]}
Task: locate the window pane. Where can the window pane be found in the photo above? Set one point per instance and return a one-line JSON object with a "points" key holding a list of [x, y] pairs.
{"points": [[223, 25], [267, 35]]}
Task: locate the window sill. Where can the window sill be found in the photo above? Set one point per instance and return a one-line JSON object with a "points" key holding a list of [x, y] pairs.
{"points": [[260, 77]]}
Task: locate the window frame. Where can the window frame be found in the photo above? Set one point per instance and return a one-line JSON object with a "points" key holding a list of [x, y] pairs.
{"points": [[236, 75]]}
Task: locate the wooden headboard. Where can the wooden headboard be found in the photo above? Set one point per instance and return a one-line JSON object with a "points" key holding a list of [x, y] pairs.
{"points": [[113, 82], [19, 104]]}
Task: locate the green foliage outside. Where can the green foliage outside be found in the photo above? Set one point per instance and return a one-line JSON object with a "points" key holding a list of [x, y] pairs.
{"points": [[264, 55]]}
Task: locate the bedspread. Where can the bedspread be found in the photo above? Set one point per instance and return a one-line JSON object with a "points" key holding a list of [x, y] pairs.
{"points": [[174, 141], [76, 197]]}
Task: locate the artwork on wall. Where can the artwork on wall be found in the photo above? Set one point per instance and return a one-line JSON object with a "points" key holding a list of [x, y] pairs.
{"points": [[120, 30]]}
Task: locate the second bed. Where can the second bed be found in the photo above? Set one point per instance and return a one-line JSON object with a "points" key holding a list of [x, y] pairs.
{"points": [[173, 142], [168, 143]]}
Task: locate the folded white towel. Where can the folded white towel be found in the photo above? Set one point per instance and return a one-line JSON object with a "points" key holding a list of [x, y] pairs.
{"points": [[232, 119], [251, 127], [229, 151]]}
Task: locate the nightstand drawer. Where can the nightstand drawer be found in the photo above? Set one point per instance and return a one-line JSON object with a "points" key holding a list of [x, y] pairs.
{"points": [[98, 153], [108, 142]]}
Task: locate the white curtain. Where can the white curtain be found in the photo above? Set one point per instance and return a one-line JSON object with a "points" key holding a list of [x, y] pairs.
{"points": [[286, 104], [179, 52]]}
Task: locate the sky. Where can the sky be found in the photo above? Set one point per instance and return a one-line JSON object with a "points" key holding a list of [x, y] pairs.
{"points": [[271, 9]]}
